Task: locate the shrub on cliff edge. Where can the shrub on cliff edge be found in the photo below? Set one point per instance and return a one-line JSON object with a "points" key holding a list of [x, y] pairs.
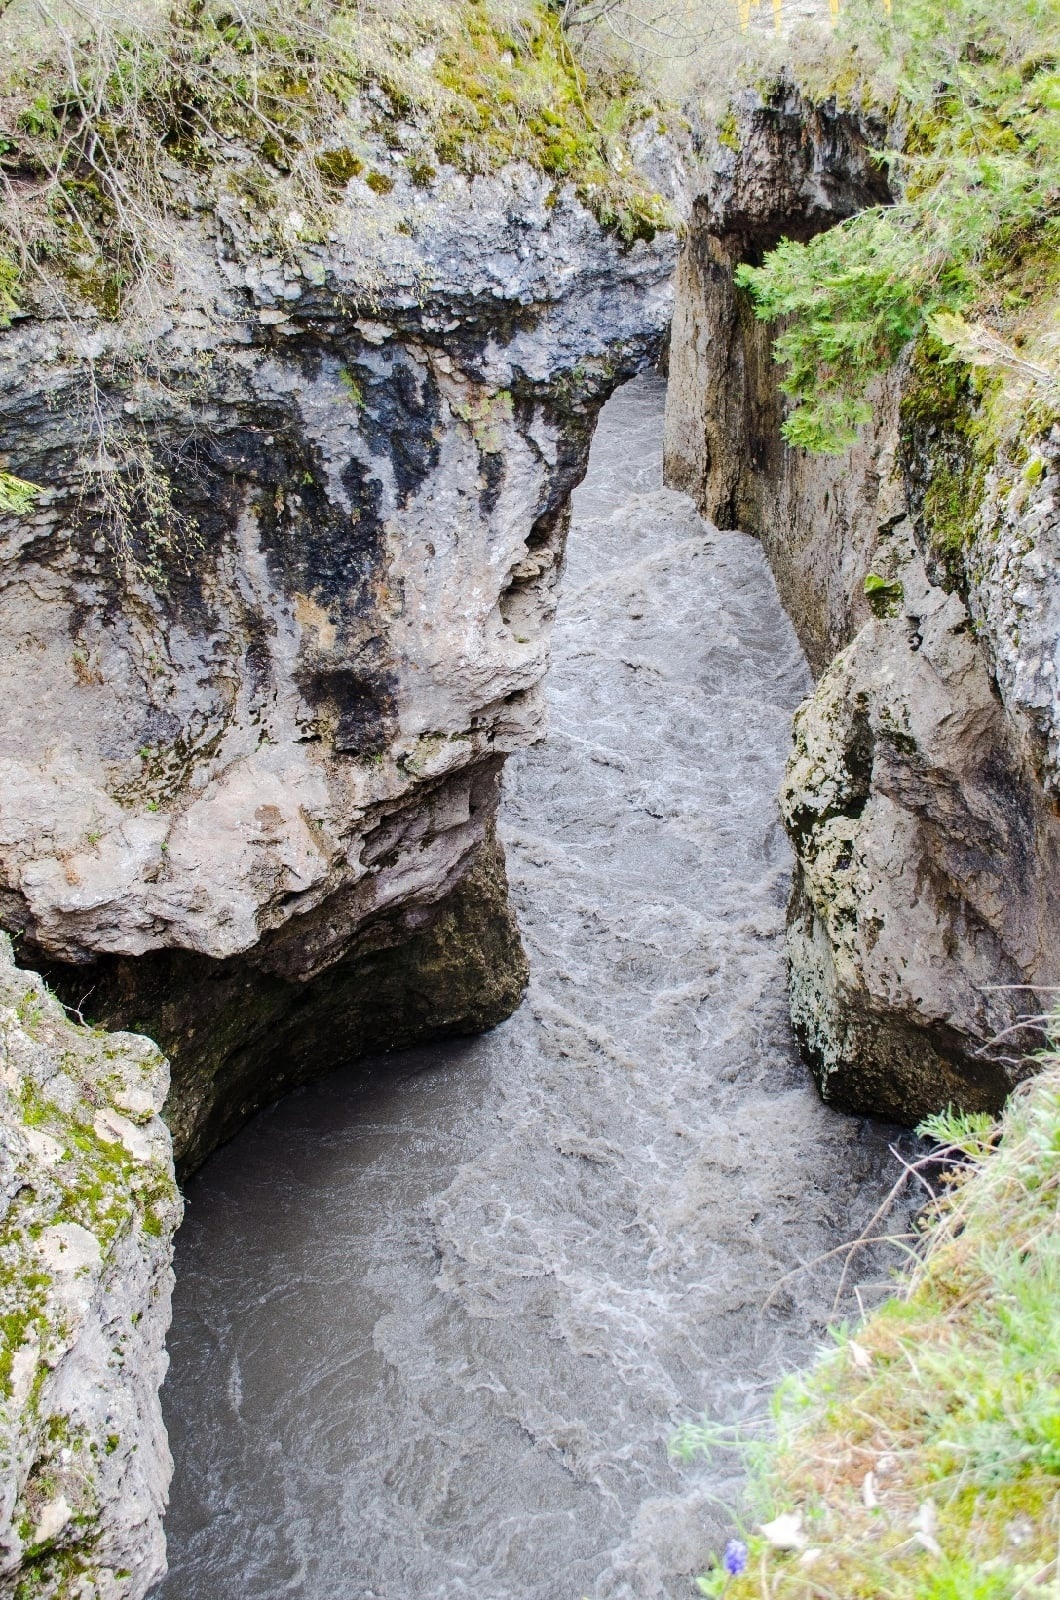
{"points": [[969, 251]]}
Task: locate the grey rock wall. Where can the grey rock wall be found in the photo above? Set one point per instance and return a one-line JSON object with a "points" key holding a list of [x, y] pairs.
{"points": [[920, 797], [88, 1207], [254, 728]]}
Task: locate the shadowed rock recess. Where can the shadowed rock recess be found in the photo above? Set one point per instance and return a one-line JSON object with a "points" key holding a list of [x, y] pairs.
{"points": [[259, 688], [921, 793]]}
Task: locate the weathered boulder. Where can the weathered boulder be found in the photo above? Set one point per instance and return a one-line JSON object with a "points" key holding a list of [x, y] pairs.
{"points": [[920, 795], [928, 868], [268, 636], [88, 1207]]}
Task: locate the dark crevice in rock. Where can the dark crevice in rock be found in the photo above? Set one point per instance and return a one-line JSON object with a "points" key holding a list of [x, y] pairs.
{"points": [[239, 1035]]}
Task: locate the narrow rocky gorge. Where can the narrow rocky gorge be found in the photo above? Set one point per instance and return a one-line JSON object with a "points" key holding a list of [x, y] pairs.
{"points": [[433, 1334], [266, 646]]}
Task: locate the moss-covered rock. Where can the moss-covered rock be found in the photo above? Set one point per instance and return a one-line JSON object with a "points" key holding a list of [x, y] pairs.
{"points": [[88, 1207]]}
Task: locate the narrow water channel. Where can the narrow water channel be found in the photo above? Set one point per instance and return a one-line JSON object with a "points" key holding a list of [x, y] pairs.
{"points": [[433, 1330]]}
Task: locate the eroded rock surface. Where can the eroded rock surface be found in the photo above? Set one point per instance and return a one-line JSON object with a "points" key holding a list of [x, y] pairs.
{"points": [[88, 1208], [255, 716], [920, 793], [265, 642]]}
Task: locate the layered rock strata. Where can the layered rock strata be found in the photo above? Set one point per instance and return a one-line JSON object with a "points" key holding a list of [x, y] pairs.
{"points": [[920, 798], [283, 610]]}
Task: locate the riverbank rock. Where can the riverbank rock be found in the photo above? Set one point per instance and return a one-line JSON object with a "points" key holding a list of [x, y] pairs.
{"points": [[920, 794], [88, 1208], [262, 661]]}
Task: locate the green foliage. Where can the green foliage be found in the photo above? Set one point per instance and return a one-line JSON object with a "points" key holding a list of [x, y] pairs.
{"points": [[8, 286], [352, 387], [975, 228], [16, 495], [728, 131], [971, 1132], [884, 595]]}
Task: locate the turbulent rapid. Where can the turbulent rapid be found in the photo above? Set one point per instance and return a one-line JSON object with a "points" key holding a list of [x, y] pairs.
{"points": [[436, 1322]]}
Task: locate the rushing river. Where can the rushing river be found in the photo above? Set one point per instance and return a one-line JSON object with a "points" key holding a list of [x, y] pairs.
{"points": [[433, 1329]]}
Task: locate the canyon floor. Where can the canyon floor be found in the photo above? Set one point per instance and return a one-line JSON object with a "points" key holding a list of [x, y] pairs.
{"points": [[436, 1318]]}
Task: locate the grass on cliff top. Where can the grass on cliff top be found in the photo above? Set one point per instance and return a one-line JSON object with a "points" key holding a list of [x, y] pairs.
{"points": [[971, 249], [114, 121], [920, 1460]]}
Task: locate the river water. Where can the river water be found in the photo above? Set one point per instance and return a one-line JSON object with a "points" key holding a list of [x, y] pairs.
{"points": [[435, 1325]]}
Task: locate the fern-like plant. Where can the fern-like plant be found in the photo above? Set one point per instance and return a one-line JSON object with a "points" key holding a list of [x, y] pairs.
{"points": [[16, 495]]}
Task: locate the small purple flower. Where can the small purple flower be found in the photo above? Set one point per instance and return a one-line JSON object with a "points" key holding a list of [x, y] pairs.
{"points": [[735, 1558]]}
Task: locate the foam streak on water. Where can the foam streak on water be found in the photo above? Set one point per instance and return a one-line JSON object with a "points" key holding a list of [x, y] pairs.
{"points": [[433, 1331]]}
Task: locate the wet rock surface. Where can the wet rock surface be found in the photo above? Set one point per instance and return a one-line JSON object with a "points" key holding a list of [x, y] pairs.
{"points": [[433, 1333]]}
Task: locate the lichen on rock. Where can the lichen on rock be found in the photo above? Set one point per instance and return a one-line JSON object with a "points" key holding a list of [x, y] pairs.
{"points": [[89, 1207]]}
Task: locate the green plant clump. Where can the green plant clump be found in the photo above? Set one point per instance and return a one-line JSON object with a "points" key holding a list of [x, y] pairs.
{"points": [[920, 1460], [16, 495], [884, 595], [968, 251]]}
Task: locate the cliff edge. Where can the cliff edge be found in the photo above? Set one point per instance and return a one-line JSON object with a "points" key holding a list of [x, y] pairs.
{"points": [[920, 571]]}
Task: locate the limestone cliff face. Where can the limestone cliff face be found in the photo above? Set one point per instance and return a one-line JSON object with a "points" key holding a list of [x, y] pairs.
{"points": [[266, 643], [88, 1207], [920, 798]]}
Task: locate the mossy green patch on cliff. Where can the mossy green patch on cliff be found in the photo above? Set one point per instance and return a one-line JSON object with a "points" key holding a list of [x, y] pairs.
{"points": [[520, 94], [945, 449], [973, 234], [487, 415], [883, 594], [920, 1460]]}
